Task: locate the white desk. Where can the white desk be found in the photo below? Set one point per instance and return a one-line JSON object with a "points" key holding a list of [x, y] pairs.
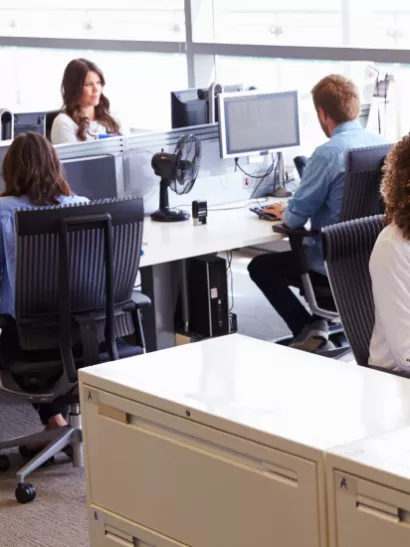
{"points": [[369, 492], [167, 243], [221, 443], [225, 230]]}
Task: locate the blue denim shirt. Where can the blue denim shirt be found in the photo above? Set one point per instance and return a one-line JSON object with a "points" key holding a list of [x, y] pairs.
{"points": [[319, 196], [8, 244]]}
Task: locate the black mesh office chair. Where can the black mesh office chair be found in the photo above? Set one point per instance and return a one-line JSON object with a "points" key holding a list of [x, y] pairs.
{"points": [[361, 198], [74, 301], [347, 248], [50, 117]]}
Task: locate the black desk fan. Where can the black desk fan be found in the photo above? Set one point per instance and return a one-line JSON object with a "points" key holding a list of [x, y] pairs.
{"points": [[178, 171]]}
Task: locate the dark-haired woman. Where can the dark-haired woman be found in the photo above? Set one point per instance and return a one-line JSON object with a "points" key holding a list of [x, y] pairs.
{"points": [[33, 177], [86, 110], [390, 266]]}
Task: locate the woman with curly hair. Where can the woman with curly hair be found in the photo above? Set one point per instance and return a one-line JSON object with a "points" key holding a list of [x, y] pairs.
{"points": [[390, 266], [86, 110]]}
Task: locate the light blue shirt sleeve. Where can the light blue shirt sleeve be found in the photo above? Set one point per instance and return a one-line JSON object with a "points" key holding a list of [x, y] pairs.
{"points": [[2, 253], [312, 192]]}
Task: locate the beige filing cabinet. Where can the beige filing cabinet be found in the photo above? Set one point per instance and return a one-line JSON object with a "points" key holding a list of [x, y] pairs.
{"points": [[221, 443], [369, 492]]}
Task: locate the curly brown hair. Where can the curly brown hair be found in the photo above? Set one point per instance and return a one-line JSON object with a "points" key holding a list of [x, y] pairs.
{"points": [[72, 89], [395, 187], [31, 167]]}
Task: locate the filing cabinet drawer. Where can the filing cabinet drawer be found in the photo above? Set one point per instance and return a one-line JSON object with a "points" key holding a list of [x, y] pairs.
{"points": [[107, 530], [200, 486], [369, 514]]}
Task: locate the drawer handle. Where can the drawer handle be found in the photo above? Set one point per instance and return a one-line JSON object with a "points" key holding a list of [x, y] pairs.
{"points": [[376, 512], [113, 414]]}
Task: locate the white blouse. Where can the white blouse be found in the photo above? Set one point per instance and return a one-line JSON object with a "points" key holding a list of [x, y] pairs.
{"points": [[390, 272], [64, 130]]}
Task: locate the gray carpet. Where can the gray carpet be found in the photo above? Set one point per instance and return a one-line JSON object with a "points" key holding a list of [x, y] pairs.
{"points": [[58, 517], [256, 317]]}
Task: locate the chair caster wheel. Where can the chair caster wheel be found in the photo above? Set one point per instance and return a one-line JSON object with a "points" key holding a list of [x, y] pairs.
{"points": [[25, 493], [4, 463]]}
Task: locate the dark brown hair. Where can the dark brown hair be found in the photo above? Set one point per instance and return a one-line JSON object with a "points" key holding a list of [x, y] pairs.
{"points": [[31, 167], [338, 97], [396, 186], [72, 89]]}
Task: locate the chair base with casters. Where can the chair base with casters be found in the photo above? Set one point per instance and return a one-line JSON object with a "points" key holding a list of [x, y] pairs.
{"points": [[58, 439]]}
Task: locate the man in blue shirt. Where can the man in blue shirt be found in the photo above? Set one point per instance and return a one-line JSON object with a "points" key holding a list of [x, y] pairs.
{"points": [[318, 198]]}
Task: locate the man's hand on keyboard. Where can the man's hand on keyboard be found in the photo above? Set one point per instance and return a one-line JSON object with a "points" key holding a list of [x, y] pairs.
{"points": [[276, 209]]}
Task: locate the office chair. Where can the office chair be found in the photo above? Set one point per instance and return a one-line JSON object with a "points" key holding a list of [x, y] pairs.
{"points": [[347, 248], [300, 164], [361, 198], [50, 117], [74, 302]]}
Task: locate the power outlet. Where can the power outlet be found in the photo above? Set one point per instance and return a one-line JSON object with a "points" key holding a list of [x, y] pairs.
{"points": [[252, 182]]}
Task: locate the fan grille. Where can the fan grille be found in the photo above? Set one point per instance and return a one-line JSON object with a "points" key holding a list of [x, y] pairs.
{"points": [[188, 151]]}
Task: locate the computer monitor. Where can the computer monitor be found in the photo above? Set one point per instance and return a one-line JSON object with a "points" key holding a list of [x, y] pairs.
{"points": [[29, 121], [254, 123], [190, 106], [94, 177]]}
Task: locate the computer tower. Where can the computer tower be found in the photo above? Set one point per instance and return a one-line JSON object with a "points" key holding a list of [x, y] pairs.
{"points": [[208, 296]]}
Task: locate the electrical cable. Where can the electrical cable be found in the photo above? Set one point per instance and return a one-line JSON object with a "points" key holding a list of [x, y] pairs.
{"points": [[250, 202], [270, 169]]}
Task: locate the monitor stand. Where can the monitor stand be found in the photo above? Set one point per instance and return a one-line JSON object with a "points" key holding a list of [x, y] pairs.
{"points": [[279, 179]]}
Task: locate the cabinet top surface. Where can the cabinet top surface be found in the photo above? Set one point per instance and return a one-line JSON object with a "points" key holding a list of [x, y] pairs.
{"points": [[238, 382]]}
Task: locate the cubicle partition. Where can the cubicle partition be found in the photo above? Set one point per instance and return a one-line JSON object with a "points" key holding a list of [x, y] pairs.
{"points": [[218, 182], [122, 166]]}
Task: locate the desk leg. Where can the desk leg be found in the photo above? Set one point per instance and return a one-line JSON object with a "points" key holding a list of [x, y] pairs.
{"points": [[158, 282]]}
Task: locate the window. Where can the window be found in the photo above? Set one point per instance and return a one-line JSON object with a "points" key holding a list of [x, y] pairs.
{"points": [[377, 23], [283, 75], [138, 84], [294, 22], [160, 20]]}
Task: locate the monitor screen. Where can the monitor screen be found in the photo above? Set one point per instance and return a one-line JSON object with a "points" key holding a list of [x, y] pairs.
{"points": [[253, 123], [94, 177]]}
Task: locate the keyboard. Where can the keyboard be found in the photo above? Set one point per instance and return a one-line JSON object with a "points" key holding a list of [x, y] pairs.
{"points": [[262, 215]]}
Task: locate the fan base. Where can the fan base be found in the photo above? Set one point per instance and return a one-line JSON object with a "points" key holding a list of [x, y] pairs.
{"points": [[169, 215]]}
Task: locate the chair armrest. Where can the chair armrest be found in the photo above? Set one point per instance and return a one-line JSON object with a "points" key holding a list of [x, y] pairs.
{"points": [[140, 300], [297, 232]]}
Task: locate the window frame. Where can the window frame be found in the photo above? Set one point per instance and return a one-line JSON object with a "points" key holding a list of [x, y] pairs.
{"points": [[200, 56]]}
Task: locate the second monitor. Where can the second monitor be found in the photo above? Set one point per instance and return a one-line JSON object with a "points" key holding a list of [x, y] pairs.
{"points": [[255, 123]]}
